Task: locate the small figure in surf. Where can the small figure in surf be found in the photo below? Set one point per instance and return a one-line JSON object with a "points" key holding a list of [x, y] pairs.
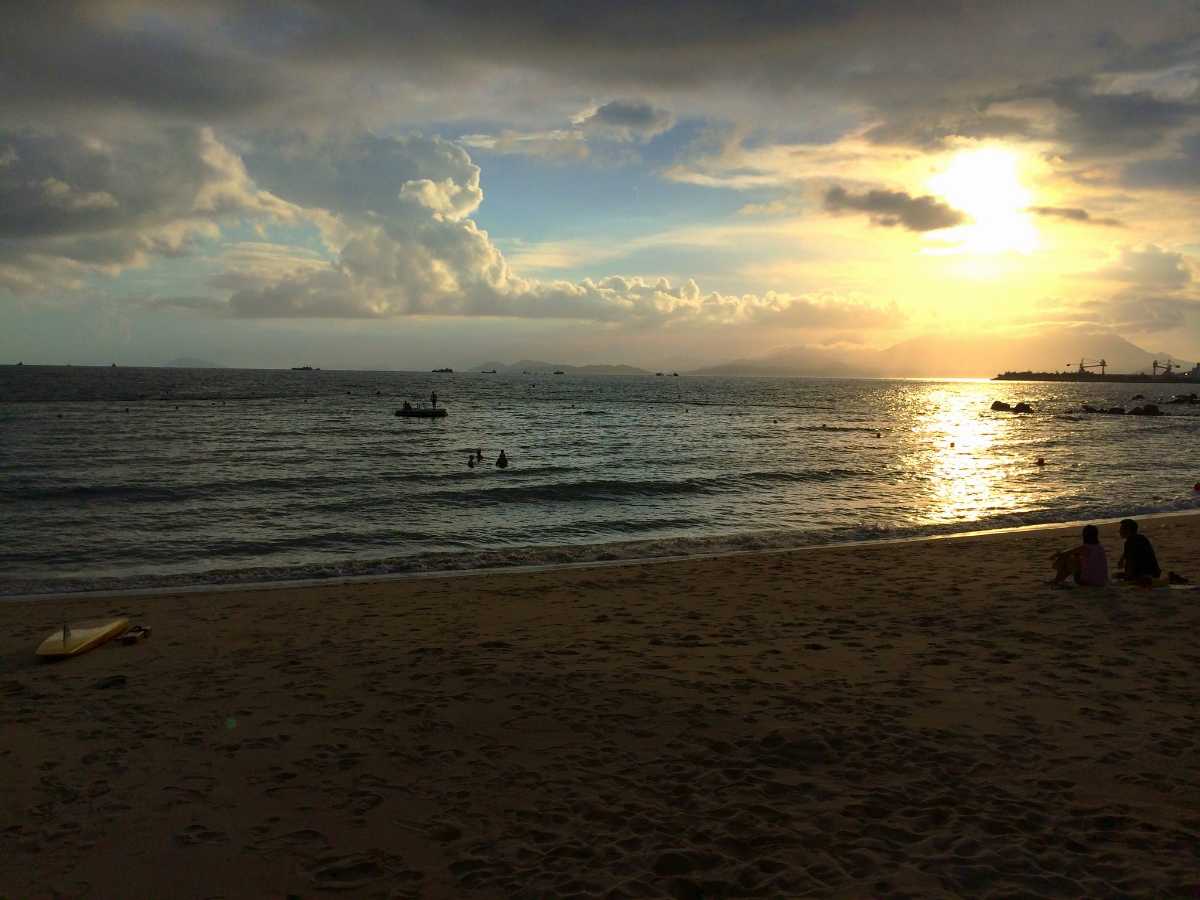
{"points": [[433, 399], [407, 406], [470, 462], [1087, 563], [502, 461]]}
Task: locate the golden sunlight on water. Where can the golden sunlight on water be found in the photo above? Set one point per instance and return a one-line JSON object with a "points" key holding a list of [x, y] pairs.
{"points": [[968, 471]]}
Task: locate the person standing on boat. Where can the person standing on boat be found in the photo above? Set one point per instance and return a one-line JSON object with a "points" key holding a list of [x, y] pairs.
{"points": [[433, 399]]}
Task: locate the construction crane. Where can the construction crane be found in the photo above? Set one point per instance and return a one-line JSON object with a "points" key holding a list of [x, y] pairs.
{"points": [[1084, 365], [1166, 367]]}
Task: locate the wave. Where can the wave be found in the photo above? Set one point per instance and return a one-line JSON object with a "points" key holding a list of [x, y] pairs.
{"points": [[624, 488], [523, 556], [15, 489]]}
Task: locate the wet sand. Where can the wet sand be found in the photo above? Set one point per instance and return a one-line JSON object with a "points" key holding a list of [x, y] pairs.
{"points": [[921, 719]]}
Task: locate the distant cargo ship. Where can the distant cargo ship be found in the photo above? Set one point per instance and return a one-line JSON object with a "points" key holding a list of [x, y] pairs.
{"points": [[1161, 373]]}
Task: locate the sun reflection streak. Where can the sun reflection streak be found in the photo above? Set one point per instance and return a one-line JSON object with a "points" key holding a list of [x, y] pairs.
{"points": [[967, 479]]}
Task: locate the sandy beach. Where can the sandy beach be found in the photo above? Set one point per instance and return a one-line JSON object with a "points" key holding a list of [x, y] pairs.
{"points": [[923, 719]]}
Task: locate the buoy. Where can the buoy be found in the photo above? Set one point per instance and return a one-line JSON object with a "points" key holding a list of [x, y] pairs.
{"points": [[1041, 462]]}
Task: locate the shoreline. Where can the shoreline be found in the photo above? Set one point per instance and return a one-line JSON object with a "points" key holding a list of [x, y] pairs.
{"points": [[286, 584], [914, 718]]}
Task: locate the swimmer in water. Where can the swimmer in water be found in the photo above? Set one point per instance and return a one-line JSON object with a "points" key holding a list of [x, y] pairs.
{"points": [[502, 461]]}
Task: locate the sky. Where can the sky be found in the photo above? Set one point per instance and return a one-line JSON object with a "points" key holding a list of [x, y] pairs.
{"points": [[404, 185]]}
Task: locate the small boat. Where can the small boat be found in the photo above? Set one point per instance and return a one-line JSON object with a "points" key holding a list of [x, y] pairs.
{"points": [[487, 371], [422, 412], [447, 371], [559, 372]]}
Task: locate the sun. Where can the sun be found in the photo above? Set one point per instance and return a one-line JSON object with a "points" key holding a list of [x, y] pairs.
{"points": [[985, 184]]}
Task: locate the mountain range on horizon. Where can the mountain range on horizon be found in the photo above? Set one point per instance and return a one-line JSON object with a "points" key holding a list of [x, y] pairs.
{"points": [[934, 356], [951, 356], [541, 367]]}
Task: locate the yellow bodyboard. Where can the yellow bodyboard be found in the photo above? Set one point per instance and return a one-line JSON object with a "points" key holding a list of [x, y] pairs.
{"points": [[71, 640]]}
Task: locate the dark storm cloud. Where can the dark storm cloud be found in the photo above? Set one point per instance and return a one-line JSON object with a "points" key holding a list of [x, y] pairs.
{"points": [[1179, 171], [628, 120], [932, 131], [1072, 214], [63, 184], [1151, 266], [73, 203], [327, 57], [76, 55], [891, 208], [1097, 122], [1143, 314]]}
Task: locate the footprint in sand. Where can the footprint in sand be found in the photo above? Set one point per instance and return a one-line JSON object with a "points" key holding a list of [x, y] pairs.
{"points": [[195, 835]]}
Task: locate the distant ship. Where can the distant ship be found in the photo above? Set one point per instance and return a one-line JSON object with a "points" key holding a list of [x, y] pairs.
{"points": [[487, 371], [304, 369], [559, 372], [1161, 373], [451, 371]]}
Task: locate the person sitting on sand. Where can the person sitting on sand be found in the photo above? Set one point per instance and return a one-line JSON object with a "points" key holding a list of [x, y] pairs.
{"points": [[502, 461], [1138, 563], [1087, 563]]}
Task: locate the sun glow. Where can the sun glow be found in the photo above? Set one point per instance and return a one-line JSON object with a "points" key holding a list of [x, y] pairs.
{"points": [[986, 185]]}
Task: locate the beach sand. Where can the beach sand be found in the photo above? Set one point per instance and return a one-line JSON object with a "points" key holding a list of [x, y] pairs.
{"points": [[924, 719]]}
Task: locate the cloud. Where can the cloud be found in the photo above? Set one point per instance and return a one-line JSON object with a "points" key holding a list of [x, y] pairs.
{"points": [[80, 57], [1145, 314], [1179, 171], [934, 130], [322, 61], [626, 120], [1150, 266], [408, 246], [1098, 122], [1072, 214], [78, 204], [554, 145], [891, 208], [208, 306]]}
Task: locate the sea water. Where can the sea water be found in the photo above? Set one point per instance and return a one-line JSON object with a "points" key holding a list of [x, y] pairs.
{"points": [[118, 478]]}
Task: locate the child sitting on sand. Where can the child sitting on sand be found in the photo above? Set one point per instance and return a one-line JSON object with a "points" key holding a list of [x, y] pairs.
{"points": [[1087, 563]]}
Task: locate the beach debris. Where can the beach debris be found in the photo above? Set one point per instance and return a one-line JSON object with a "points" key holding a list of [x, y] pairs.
{"points": [[135, 634]]}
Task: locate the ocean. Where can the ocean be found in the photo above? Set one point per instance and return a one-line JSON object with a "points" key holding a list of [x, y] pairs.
{"points": [[122, 478]]}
